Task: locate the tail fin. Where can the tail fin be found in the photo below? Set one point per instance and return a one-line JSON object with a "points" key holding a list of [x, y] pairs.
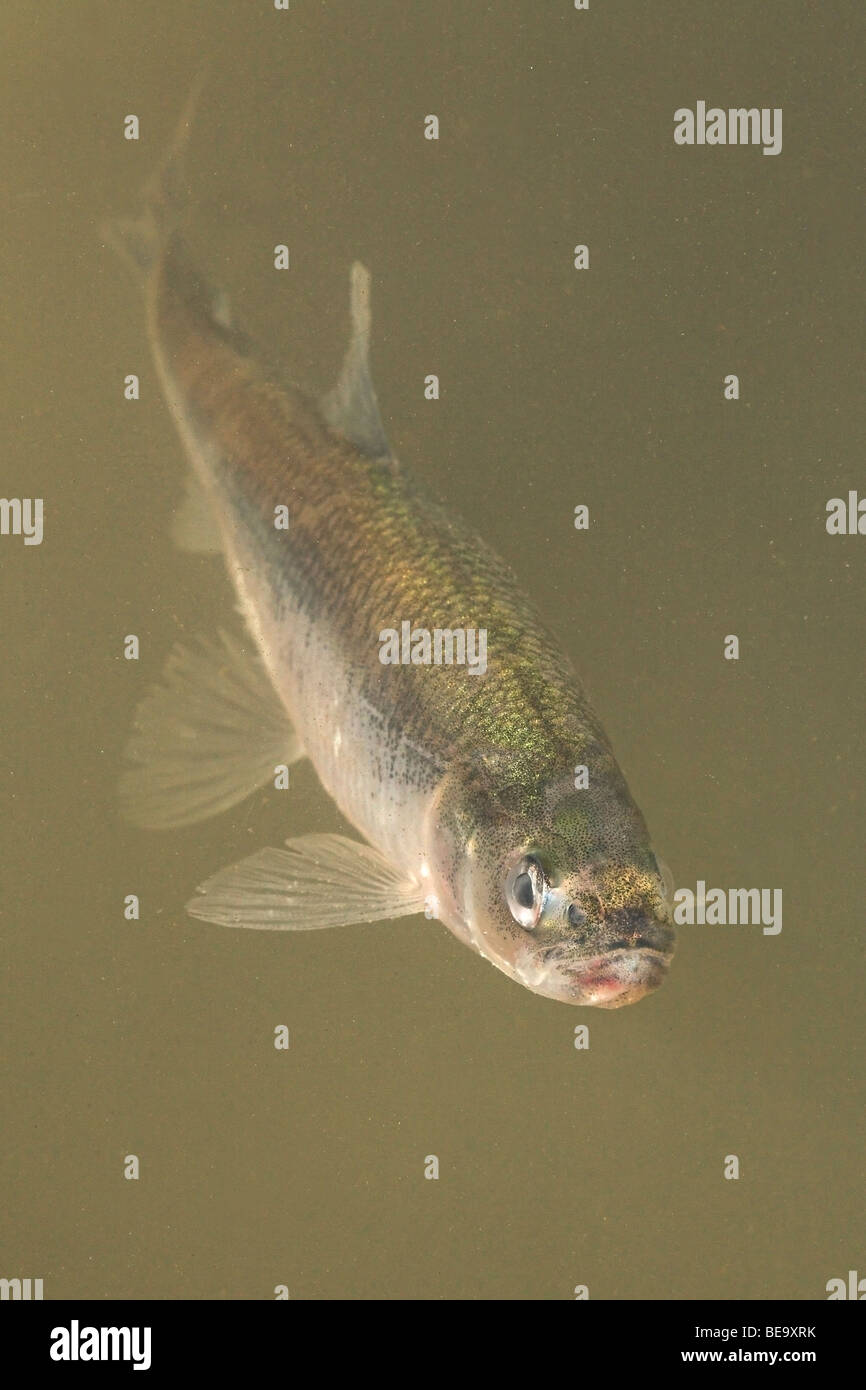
{"points": [[140, 240]]}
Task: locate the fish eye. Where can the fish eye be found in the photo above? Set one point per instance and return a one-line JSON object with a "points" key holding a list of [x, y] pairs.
{"points": [[526, 891]]}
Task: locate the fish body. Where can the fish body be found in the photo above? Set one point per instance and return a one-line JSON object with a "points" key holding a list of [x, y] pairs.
{"points": [[461, 780]]}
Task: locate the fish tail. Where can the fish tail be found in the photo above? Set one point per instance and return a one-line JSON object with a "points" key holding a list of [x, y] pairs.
{"points": [[140, 240]]}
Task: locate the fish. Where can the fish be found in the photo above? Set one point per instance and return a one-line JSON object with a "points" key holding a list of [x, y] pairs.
{"points": [[486, 797]]}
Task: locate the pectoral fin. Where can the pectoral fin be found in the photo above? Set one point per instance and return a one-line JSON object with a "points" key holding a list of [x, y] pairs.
{"points": [[211, 734], [316, 881]]}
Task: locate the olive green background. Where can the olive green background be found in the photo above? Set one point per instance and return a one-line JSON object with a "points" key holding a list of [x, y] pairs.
{"points": [[558, 1167]]}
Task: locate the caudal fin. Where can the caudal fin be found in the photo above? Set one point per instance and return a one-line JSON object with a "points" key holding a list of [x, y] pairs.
{"points": [[139, 240]]}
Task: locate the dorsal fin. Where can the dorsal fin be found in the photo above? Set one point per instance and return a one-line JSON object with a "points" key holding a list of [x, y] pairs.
{"points": [[351, 407]]}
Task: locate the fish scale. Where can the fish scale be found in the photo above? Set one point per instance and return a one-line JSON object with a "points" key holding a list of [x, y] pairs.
{"points": [[405, 557]]}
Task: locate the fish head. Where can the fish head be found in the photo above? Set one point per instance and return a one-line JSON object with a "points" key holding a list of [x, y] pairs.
{"points": [[568, 898]]}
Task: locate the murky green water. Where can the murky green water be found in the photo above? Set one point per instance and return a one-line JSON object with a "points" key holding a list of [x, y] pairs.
{"points": [[558, 1167]]}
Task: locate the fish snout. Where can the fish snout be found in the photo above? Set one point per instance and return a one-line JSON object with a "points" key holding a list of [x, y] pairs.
{"points": [[611, 964], [622, 978], [631, 929], [606, 981], [624, 929]]}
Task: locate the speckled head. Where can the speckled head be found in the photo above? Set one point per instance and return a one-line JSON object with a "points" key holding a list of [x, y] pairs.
{"points": [[563, 893]]}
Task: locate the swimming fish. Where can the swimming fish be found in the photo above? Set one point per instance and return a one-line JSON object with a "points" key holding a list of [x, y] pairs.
{"points": [[487, 795]]}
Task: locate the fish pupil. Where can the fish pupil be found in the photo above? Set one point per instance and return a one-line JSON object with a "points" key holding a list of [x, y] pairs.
{"points": [[524, 891]]}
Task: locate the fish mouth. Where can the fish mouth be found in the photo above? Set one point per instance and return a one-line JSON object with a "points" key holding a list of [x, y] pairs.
{"points": [[609, 981]]}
